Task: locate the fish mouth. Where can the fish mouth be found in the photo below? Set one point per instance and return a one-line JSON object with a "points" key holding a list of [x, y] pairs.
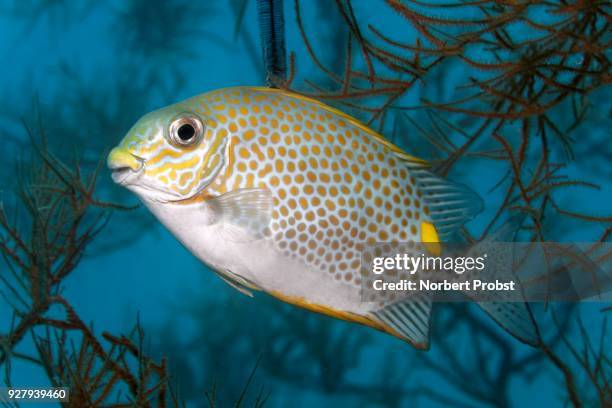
{"points": [[124, 175], [125, 166]]}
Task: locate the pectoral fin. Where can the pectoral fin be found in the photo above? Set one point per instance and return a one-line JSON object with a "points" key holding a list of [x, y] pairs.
{"points": [[244, 215]]}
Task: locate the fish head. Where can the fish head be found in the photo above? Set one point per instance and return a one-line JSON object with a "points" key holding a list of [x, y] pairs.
{"points": [[171, 154]]}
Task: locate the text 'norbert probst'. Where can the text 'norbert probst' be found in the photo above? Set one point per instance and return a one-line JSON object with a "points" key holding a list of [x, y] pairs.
{"points": [[434, 285]]}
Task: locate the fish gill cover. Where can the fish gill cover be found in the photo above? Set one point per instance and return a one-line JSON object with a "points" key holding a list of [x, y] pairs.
{"points": [[508, 98]]}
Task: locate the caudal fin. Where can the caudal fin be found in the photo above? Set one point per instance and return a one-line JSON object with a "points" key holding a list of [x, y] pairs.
{"points": [[451, 205], [515, 318], [512, 314]]}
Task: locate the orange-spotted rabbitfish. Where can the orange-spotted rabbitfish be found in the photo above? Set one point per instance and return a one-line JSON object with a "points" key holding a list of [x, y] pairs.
{"points": [[274, 191]]}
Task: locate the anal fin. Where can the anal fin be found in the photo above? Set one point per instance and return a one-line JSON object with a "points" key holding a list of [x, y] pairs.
{"points": [[237, 282], [408, 319]]}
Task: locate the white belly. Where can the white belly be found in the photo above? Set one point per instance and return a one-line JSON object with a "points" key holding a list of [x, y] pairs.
{"points": [[257, 261]]}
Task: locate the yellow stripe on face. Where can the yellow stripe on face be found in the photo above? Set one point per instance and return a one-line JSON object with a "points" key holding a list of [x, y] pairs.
{"points": [[164, 154], [231, 157], [147, 150], [184, 165], [196, 179], [213, 164], [213, 150]]}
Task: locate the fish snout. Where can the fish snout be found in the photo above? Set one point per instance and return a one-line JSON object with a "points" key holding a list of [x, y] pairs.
{"points": [[124, 165]]}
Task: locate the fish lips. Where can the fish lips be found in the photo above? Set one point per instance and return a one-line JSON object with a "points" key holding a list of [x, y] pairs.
{"points": [[126, 167], [126, 175]]}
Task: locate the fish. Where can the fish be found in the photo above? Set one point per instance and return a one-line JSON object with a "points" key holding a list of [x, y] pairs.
{"points": [[278, 192]]}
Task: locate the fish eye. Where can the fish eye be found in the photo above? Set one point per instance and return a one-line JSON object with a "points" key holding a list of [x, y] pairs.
{"points": [[186, 130]]}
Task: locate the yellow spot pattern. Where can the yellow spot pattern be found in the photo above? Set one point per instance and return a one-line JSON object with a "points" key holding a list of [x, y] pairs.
{"points": [[335, 184]]}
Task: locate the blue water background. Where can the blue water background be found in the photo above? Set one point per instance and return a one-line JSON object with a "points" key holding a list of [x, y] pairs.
{"points": [[66, 57]]}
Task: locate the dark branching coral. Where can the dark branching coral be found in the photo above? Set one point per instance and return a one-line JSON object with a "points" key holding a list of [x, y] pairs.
{"points": [[531, 68], [43, 236], [495, 363], [518, 83], [116, 373]]}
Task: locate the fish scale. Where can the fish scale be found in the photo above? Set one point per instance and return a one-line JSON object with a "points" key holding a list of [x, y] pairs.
{"points": [[333, 186]]}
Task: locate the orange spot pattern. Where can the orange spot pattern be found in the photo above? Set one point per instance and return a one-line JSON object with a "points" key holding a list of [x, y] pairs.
{"points": [[334, 185]]}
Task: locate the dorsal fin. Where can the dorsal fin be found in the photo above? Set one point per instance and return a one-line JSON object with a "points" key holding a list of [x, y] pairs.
{"points": [[349, 119], [451, 204]]}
